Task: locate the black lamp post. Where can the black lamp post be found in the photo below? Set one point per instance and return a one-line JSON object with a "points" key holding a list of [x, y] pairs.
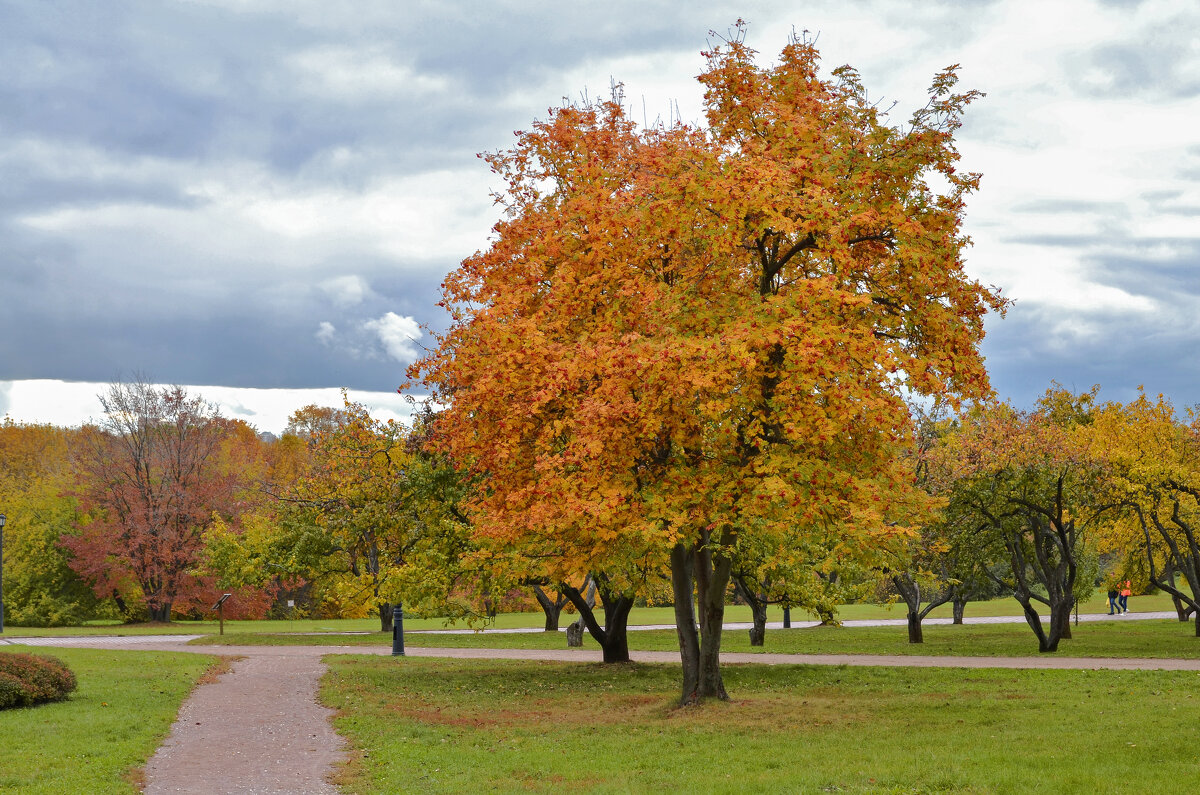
{"points": [[2, 521]]}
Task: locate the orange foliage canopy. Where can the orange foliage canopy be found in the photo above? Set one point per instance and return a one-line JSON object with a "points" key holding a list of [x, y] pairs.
{"points": [[679, 333]]}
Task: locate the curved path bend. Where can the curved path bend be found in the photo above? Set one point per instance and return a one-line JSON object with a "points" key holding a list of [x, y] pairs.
{"points": [[259, 728]]}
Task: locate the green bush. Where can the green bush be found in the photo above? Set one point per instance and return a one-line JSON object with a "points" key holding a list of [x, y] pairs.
{"points": [[27, 679], [41, 610]]}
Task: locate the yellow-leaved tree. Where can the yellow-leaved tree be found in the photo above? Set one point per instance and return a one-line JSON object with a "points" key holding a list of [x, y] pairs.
{"points": [[36, 481], [368, 518], [1155, 463]]}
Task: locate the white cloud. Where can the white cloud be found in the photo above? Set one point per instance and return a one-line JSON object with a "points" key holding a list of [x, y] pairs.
{"points": [[325, 332], [433, 215], [346, 291], [397, 334], [73, 403], [348, 74], [236, 209], [65, 403]]}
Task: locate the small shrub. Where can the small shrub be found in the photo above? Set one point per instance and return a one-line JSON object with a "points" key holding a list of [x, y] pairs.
{"points": [[12, 691], [27, 679]]}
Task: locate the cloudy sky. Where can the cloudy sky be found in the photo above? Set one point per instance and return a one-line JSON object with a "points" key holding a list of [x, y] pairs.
{"points": [[259, 198]]}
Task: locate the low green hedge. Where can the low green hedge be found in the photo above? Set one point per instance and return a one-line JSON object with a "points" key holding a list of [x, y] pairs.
{"points": [[28, 679]]}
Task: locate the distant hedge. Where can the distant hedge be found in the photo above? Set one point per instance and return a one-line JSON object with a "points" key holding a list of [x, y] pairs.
{"points": [[27, 679]]}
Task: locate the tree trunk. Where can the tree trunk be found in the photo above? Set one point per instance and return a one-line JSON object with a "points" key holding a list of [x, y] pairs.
{"points": [[575, 628], [1169, 572], [616, 624], [124, 608], [1180, 610], [908, 589], [682, 582], [960, 607], [613, 636], [758, 608], [1035, 623], [713, 599], [1060, 625], [551, 607], [160, 613], [385, 617], [1065, 630], [915, 634]]}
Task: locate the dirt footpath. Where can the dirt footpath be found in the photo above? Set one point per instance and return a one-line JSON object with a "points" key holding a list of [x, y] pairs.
{"points": [[257, 729]]}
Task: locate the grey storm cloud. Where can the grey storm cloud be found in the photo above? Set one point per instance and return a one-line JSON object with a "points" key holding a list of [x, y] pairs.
{"points": [[127, 106], [71, 330], [184, 80], [269, 193], [1028, 350], [1166, 269], [1039, 342]]}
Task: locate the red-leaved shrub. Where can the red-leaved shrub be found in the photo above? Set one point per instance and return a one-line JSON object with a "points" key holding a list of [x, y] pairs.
{"points": [[27, 679]]}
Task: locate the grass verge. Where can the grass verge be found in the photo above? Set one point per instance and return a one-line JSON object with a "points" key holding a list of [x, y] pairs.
{"points": [[640, 615], [1117, 638], [466, 726], [98, 740]]}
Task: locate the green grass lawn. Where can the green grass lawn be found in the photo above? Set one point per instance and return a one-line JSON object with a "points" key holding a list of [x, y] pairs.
{"points": [[640, 615], [469, 726], [1117, 638], [98, 740], [448, 726]]}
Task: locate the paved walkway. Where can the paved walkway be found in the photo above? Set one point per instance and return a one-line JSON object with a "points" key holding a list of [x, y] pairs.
{"points": [[858, 622], [259, 728]]}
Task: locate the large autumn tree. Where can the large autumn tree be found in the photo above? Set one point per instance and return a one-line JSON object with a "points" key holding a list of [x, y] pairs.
{"points": [[681, 332], [151, 477]]}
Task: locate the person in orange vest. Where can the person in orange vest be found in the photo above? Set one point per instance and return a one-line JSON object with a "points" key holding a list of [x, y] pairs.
{"points": [[1125, 594]]}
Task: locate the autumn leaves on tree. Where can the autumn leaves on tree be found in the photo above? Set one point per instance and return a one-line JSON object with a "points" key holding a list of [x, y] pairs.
{"points": [[151, 482], [683, 336]]}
